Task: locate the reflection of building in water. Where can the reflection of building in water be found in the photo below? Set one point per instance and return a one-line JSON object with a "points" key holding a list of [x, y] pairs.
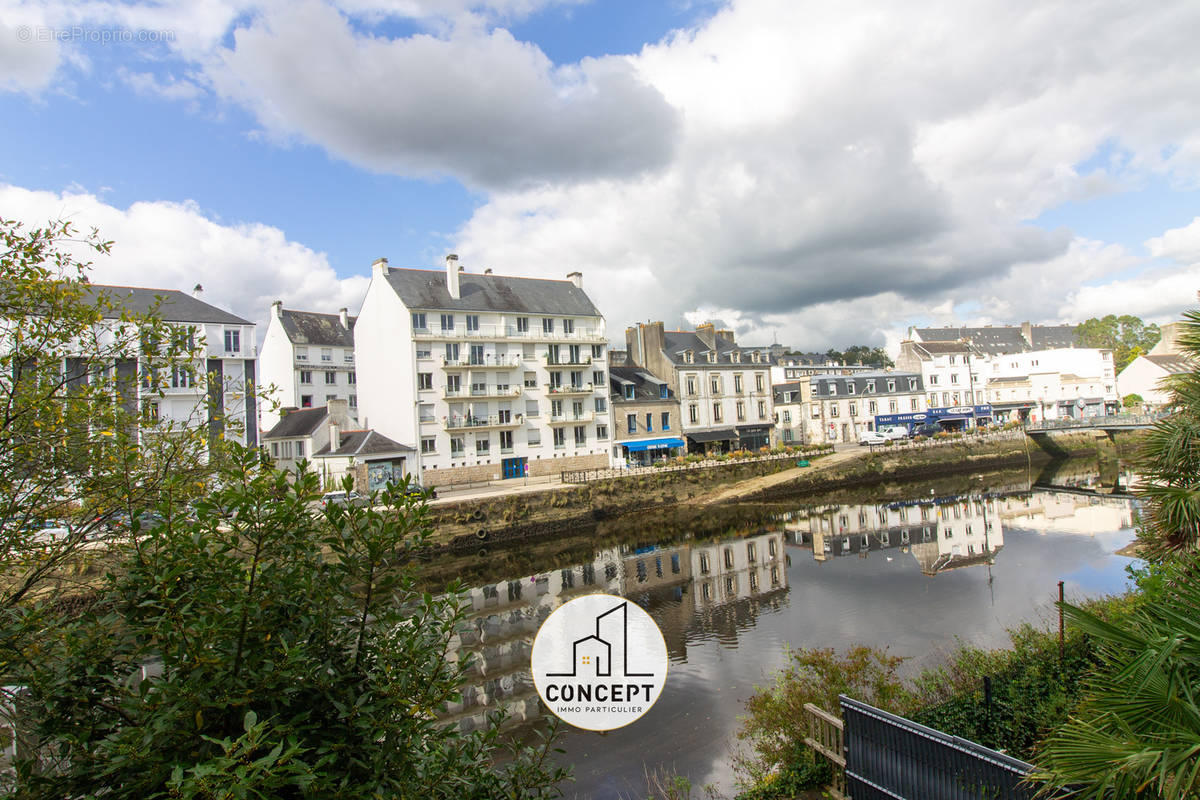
{"points": [[1068, 511], [941, 533], [737, 574]]}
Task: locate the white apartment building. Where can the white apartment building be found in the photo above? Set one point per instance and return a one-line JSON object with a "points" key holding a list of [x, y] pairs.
{"points": [[222, 378], [1050, 384], [792, 400], [488, 376], [946, 369], [724, 390], [308, 358], [843, 406]]}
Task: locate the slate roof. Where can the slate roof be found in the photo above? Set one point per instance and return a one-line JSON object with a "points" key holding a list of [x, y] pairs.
{"points": [[311, 327], [646, 386], [821, 384], [942, 348], [421, 288], [363, 444], [803, 359], [781, 389], [1002, 339], [301, 422], [172, 305], [676, 343], [1049, 337], [1171, 363]]}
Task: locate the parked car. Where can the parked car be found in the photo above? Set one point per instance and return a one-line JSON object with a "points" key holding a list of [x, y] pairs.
{"points": [[416, 490], [927, 430], [341, 498], [895, 432], [872, 438]]}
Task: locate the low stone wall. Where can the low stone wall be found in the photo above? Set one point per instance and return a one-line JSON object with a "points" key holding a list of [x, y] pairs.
{"points": [[491, 472]]}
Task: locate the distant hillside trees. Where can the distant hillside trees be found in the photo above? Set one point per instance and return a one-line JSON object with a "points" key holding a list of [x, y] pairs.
{"points": [[862, 354], [1127, 336]]}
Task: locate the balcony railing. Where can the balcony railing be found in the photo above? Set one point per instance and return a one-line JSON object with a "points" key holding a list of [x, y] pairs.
{"points": [[567, 419], [585, 388], [487, 391], [490, 421], [501, 332], [565, 361], [508, 362]]}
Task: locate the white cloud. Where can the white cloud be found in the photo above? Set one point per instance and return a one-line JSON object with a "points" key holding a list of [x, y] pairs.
{"points": [[1178, 244], [161, 245]]}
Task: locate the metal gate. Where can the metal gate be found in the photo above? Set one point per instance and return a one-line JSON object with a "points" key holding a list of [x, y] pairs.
{"points": [[890, 757]]}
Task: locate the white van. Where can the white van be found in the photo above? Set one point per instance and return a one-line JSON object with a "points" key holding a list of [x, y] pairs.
{"points": [[894, 432]]}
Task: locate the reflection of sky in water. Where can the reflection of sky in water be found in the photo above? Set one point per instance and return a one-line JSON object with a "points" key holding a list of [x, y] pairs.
{"points": [[721, 652]]}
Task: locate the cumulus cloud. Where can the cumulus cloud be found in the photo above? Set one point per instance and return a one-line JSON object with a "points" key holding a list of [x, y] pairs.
{"points": [[163, 245]]}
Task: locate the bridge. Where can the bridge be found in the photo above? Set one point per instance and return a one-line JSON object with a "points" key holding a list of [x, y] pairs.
{"points": [[1108, 424]]}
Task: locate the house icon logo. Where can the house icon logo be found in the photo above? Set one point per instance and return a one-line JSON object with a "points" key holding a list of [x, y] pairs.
{"points": [[599, 662]]}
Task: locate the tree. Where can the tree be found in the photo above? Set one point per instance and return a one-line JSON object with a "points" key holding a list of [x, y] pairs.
{"points": [[263, 649], [862, 354], [76, 449], [1127, 336], [1132, 401]]}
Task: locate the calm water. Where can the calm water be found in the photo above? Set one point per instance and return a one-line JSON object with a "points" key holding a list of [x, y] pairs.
{"points": [[912, 571]]}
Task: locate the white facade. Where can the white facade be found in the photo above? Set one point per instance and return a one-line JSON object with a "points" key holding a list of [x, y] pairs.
{"points": [[308, 359], [1051, 384], [843, 407], [482, 393]]}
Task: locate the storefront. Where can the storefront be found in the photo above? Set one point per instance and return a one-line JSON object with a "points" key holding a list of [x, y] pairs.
{"points": [[753, 437], [647, 451], [719, 441], [954, 418]]}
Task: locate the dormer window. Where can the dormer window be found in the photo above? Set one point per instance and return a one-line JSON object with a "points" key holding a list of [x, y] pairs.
{"points": [[712, 356], [735, 357], [849, 387], [687, 356], [870, 387]]}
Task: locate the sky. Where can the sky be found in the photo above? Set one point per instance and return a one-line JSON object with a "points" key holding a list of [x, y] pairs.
{"points": [[818, 174]]}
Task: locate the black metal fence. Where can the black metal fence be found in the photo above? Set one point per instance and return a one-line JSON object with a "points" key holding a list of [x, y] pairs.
{"points": [[890, 757]]}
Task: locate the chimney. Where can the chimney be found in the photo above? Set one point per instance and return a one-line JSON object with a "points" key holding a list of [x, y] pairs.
{"points": [[725, 336], [708, 334], [379, 268], [452, 271], [576, 278], [344, 315], [335, 436], [197, 291], [277, 309]]}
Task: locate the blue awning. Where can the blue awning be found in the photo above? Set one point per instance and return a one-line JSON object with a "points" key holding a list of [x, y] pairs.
{"points": [[652, 444]]}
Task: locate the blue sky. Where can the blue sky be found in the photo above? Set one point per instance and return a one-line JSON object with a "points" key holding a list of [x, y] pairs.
{"points": [[833, 175]]}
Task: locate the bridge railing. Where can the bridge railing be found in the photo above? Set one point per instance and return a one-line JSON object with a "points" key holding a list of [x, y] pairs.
{"points": [[1110, 421]]}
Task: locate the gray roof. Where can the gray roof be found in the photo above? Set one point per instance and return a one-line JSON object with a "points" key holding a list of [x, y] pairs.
{"points": [[942, 348], [171, 305], [646, 386], [803, 359], [821, 384], [1049, 337], [1171, 363], [676, 343], [421, 288], [781, 389], [299, 422], [311, 327], [363, 444], [1000, 339]]}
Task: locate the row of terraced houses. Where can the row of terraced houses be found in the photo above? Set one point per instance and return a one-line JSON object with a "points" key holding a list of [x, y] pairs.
{"points": [[464, 376]]}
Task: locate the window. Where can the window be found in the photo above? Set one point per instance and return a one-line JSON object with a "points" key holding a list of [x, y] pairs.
{"points": [[631, 423], [687, 356], [912, 384], [891, 385], [693, 413], [302, 354], [354, 401], [580, 435], [741, 411], [547, 325], [452, 352], [663, 392], [457, 446], [428, 444], [849, 387], [787, 416], [327, 354], [665, 421], [568, 326], [629, 391], [787, 435], [483, 446], [300, 449], [305, 376], [833, 409], [556, 408], [954, 377], [506, 441], [714, 385], [453, 383], [425, 412], [870, 387], [759, 382], [691, 385], [425, 380], [602, 432], [331, 379], [418, 320], [816, 412], [601, 405], [352, 378], [472, 322], [533, 437], [348, 356], [892, 406], [737, 384], [914, 404], [560, 438], [762, 409], [933, 380], [649, 422], [447, 322], [233, 341], [522, 324], [576, 380], [597, 351], [716, 412], [306, 401], [833, 390], [932, 399], [598, 378], [853, 408]]}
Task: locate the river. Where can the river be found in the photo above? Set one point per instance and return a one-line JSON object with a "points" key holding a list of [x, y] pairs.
{"points": [[912, 568]]}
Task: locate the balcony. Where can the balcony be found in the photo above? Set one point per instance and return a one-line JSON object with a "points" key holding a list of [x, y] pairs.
{"points": [[477, 423], [487, 391], [572, 419], [568, 389], [487, 362], [561, 361], [503, 332]]}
